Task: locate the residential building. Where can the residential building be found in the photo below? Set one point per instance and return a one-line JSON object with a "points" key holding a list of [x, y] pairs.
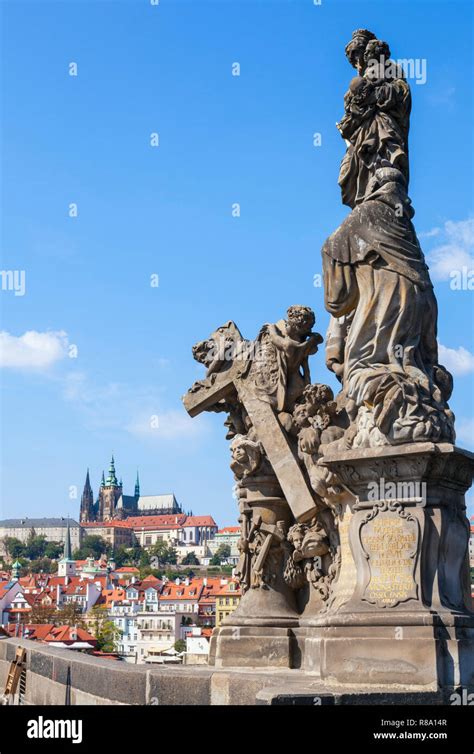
{"points": [[182, 597], [227, 600], [230, 536], [8, 591], [157, 632], [207, 600], [197, 646]]}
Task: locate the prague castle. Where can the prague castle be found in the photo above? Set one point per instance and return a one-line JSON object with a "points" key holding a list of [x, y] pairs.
{"points": [[112, 504]]}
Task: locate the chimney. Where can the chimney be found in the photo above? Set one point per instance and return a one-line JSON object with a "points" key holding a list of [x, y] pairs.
{"points": [[204, 581], [186, 581], [177, 581]]}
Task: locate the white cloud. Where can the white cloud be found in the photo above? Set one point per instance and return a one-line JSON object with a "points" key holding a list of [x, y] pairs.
{"points": [[465, 431], [430, 233], [458, 361], [33, 350], [456, 250]]}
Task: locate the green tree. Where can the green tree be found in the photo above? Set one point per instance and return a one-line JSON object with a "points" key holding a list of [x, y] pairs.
{"points": [[149, 571], [190, 559], [43, 564], [163, 554], [14, 547], [53, 550], [180, 645], [221, 554], [105, 631], [92, 546], [35, 546], [134, 554], [122, 556]]}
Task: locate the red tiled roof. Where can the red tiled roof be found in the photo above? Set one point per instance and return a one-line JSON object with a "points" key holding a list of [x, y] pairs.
{"points": [[169, 521], [225, 591], [50, 633], [111, 595], [199, 521], [166, 521], [107, 524], [173, 592], [229, 530]]}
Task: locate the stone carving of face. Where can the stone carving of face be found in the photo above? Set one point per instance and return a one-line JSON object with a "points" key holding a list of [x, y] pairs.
{"points": [[300, 321]]}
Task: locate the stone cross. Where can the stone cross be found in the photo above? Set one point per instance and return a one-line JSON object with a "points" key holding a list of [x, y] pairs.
{"points": [[268, 429]]}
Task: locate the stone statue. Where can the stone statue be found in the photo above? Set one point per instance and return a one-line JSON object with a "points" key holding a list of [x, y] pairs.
{"points": [[381, 340], [377, 117], [353, 520]]}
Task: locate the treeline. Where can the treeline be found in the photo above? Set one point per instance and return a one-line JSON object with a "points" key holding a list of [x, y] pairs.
{"points": [[37, 554]]}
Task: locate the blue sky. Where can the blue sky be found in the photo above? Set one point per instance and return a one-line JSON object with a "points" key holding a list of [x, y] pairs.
{"points": [[167, 211]]}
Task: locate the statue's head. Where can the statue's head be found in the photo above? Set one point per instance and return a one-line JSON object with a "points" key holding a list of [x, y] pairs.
{"points": [[355, 49], [246, 455], [300, 319], [318, 394], [218, 345]]}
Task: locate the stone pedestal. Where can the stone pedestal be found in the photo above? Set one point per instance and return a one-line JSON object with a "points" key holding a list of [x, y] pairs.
{"points": [[257, 633], [403, 614]]}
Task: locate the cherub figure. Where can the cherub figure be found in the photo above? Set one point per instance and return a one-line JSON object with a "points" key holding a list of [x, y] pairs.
{"points": [[281, 370]]}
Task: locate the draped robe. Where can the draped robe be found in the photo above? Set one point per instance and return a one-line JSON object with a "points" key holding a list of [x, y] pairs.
{"points": [[376, 277]]}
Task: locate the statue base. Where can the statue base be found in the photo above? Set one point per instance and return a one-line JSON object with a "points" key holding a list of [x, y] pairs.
{"points": [[400, 609]]}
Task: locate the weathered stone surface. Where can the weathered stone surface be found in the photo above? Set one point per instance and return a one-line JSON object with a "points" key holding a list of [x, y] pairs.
{"points": [[253, 647], [178, 686], [205, 685]]}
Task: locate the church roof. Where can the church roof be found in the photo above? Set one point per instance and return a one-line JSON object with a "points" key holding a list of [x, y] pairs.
{"points": [[128, 502], [155, 502]]}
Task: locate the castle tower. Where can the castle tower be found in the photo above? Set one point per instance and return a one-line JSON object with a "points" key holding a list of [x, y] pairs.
{"points": [[87, 502], [110, 491], [67, 566], [137, 488]]}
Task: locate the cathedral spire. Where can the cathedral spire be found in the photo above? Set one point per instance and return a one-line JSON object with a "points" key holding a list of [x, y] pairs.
{"points": [[137, 487], [112, 479], [67, 566], [87, 501], [102, 483]]}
